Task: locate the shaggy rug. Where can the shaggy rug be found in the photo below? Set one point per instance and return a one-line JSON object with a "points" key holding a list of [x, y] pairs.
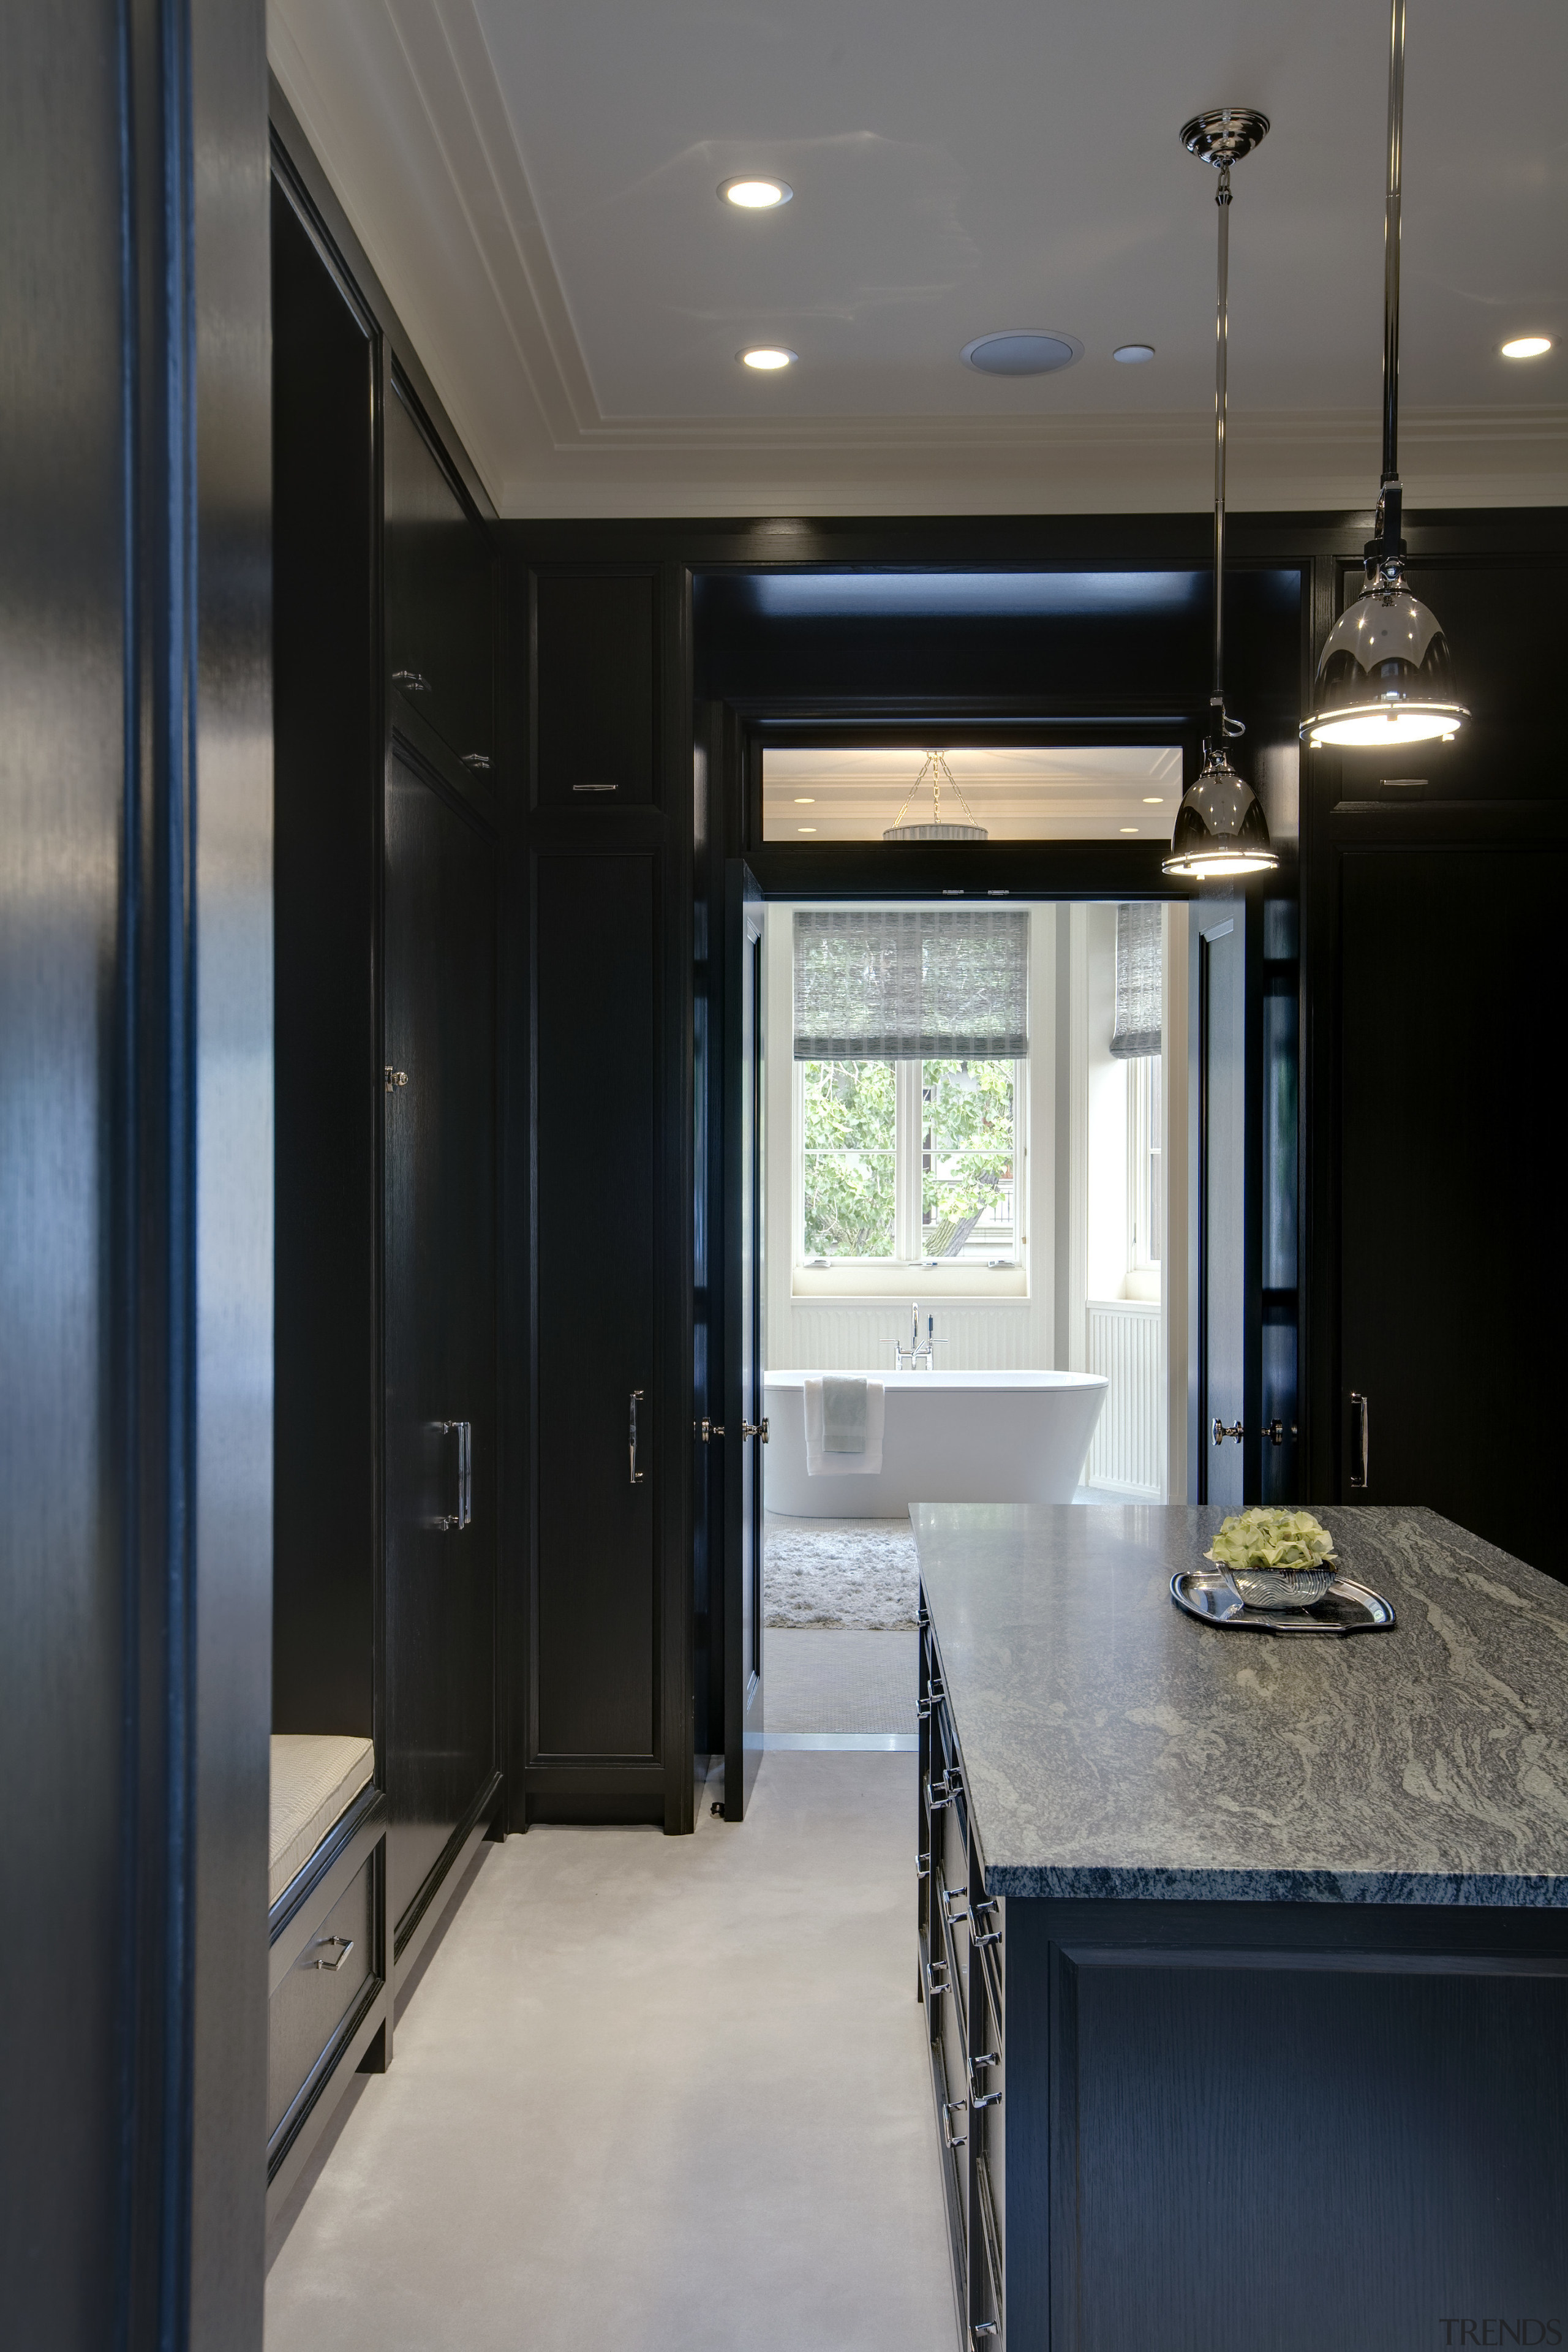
{"points": [[861, 1575]]}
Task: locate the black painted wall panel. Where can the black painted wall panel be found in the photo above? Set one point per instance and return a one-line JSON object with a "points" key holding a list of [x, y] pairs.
{"points": [[326, 784]]}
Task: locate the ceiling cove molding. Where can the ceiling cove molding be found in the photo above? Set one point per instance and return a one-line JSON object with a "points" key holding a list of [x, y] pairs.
{"points": [[1278, 461]]}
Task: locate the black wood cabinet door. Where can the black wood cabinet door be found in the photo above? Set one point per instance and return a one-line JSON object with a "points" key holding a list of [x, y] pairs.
{"points": [[1451, 957], [439, 593], [439, 1320], [598, 1200]]}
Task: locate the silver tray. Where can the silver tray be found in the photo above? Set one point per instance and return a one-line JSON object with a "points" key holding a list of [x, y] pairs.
{"points": [[1346, 1607]]}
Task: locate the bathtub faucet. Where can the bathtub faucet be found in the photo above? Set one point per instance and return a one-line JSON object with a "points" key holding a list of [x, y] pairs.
{"points": [[914, 1358]]}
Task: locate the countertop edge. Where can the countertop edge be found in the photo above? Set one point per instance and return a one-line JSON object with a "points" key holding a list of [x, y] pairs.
{"points": [[1066, 1884]]}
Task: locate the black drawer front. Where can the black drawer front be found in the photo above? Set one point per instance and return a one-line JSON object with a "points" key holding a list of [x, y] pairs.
{"points": [[313, 2000]]}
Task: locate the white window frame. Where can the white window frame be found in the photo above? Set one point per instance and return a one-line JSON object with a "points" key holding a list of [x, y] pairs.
{"points": [[1145, 1143], [880, 1277]]}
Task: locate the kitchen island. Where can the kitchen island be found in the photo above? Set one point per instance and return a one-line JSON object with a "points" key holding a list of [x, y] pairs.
{"points": [[1245, 1956]]}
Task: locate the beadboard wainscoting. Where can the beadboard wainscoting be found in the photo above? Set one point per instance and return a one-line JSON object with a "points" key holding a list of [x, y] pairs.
{"points": [[858, 1335], [1124, 1344]]}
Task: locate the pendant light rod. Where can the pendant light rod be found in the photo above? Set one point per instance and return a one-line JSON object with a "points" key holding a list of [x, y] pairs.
{"points": [[1221, 137], [1390, 498], [1221, 419]]}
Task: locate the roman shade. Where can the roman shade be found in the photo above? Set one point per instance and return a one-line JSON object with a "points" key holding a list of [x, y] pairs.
{"points": [[1139, 985], [953, 985]]}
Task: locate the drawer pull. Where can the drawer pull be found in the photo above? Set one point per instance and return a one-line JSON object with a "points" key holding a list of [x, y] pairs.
{"points": [[935, 1991], [949, 1785], [983, 2327], [922, 1865], [412, 681], [985, 2098], [950, 1896], [950, 2137], [344, 1944], [479, 761]]}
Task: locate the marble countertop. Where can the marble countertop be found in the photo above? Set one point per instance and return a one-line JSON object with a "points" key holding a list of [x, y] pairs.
{"points": [[1114, 1746]]}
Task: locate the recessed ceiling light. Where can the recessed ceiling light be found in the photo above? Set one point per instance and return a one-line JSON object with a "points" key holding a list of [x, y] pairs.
{"points": [[766, 357], [1128, 828], [1153, 800], [1024, 351], [805, 800], [1527, 347], [756, 196], [1133, 354], [805, 828]]}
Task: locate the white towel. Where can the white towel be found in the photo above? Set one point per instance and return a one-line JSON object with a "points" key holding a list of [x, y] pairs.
{"points": [[819, 1464]]}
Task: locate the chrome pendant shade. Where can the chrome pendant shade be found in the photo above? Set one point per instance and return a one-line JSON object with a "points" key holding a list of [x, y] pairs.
{"points": [[1385, 676], [1220, 826], [1221, 830]]}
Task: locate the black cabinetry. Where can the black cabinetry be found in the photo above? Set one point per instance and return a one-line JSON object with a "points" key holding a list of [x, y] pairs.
{"points": [[439, 1313], [599, 1197], [440, 606]]}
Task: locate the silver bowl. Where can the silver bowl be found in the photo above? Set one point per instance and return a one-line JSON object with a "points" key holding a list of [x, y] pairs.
{"points": [[1280, 1588]]}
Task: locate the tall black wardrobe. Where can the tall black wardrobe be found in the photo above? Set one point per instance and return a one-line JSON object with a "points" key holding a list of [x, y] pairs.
{"points": [[385, 900]]}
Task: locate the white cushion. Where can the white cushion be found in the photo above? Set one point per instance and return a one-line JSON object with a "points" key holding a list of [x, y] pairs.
{"points": [[316, 1776]]}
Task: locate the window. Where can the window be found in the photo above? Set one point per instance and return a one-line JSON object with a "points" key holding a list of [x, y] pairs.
{"points": [[1146, 1171], [909, 1162]]}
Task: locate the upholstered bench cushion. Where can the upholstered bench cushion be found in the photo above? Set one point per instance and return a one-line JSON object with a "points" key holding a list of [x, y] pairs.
{"points": [[316, 1776]]}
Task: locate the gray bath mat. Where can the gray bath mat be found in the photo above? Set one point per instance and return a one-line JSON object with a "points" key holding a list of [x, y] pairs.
{"points": [[861, 1575]]}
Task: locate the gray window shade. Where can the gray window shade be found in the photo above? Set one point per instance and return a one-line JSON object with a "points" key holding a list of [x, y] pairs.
{"points": [[1140, 982], [891, 986]]}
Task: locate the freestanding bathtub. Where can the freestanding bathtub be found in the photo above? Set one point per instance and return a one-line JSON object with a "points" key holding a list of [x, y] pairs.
{"points": [[949, 1438]]}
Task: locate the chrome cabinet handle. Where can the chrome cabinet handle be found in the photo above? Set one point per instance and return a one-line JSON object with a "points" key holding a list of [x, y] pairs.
{"points": [[1360, 1438], [935, 1991], [1221, 1433], [479, 761], [412, 681], [952, 2108], [637, 1478], [344, 1945], [983, 2327], [935, 1804], [755, 1429], [461, 1515]]}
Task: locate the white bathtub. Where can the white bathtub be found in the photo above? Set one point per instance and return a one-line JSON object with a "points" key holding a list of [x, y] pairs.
{"points": [[950, 1437]]}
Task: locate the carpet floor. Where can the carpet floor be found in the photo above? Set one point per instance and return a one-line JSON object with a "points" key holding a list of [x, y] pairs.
{"points": [[858, 1575]]}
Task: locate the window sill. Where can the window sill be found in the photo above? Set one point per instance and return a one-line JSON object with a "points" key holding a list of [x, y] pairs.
{"points": [[905, 1280]]}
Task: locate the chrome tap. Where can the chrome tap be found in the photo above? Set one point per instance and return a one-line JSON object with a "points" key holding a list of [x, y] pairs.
{"points": [[914, 1357]]}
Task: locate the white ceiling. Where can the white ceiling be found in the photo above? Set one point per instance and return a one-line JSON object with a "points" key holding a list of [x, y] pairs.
{"points": [[1019, 793], [534, 180]]}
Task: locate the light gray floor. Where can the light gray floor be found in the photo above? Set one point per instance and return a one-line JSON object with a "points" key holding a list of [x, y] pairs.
{"points": [[653, 2095], [839, 1681]]}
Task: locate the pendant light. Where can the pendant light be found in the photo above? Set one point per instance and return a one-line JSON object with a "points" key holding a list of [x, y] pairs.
{"points": [[1220, 827], [935, 769], [1385, 676]]}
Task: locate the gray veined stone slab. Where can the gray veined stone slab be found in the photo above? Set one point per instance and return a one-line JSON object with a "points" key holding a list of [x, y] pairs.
{"points": [[1114, 1746]]}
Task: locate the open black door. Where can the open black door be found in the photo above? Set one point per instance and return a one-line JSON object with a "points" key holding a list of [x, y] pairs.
{"points": [[1219, 948], [744, 1143]]}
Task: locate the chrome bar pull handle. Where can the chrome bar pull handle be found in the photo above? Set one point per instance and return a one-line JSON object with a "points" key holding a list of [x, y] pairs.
{"points": [[462, 1512], [342, 1945], [951, 2107], [1361, 1439], [637, 1478]]}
